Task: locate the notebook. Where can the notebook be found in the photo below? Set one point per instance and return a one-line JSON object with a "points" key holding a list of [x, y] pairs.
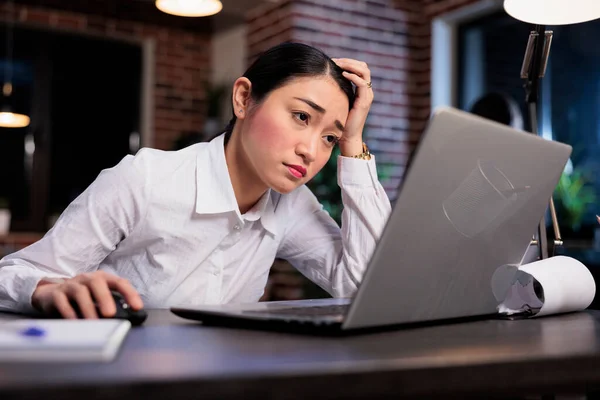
{"points": [[58, 340]]}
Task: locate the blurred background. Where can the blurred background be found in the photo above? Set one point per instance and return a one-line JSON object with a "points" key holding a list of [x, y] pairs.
{"points": [[100, 79]]}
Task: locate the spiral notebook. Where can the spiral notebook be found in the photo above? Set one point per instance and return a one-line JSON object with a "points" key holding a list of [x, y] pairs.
{"points": [[58, 340]]}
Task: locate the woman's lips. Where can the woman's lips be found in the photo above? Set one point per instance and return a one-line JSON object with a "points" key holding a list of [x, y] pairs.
{"points": [[297, 170]]}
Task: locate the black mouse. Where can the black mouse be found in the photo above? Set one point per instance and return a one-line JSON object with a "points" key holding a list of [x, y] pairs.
{"points": [[124, 311]]}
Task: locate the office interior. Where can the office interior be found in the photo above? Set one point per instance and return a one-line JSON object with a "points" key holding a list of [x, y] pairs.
{"points": [[100, 80]]}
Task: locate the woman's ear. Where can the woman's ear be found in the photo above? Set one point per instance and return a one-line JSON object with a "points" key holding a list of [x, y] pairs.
{"points": [[242, 89]]}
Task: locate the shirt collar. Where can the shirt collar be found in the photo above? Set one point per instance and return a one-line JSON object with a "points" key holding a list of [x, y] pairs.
{"points": [[214, 191], [265, 211]]}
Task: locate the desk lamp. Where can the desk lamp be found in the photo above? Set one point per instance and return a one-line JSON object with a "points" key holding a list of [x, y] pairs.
{"points": [[541, 13]]}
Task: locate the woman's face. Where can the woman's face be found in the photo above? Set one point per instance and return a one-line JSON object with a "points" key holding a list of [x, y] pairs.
{"points": [[289, 137]]}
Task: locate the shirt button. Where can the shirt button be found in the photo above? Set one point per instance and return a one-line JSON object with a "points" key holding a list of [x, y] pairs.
{"points": [[237, 227]]}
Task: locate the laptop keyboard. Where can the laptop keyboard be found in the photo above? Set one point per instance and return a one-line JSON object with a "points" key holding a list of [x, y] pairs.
{"points": [[310, 311]]}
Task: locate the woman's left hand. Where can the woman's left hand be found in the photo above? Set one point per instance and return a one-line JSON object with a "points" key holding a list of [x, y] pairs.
{"points": [[358, 73]]}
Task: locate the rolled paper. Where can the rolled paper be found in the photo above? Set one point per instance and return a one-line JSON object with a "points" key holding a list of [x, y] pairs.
{"points": [[551, 286]]}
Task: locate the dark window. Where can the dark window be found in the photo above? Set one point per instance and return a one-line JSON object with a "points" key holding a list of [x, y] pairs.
{"points": [[491, 51], [83, 97]]}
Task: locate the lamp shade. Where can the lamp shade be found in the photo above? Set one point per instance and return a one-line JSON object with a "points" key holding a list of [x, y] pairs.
{"points": [[553, 12], [8, 118], [189, 8], [12, 120]]}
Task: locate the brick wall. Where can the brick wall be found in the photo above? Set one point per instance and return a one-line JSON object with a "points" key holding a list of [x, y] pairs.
{"points": [[182, 63], [392, 36]]}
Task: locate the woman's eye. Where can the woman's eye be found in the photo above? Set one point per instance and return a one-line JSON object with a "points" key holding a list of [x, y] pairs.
{"points": [[332, 139], [301, 116]]}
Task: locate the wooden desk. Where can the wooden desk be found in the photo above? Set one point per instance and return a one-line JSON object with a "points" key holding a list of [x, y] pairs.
{"points": [[173, 358]]}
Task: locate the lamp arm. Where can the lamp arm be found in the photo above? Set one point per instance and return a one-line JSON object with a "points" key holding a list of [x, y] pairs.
{"points": [[534, 66]]}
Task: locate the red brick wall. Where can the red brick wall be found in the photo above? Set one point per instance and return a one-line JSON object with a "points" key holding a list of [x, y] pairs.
{"points": [[392, 36], [433, 8], [182, 63], [269, 25]]}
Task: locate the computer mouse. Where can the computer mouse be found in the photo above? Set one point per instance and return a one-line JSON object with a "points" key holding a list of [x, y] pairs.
{"points": [[124, 311]]}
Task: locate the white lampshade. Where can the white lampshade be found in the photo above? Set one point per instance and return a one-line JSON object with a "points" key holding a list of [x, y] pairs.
{"points": [[189, 8], [13, 120], [553, 12]]}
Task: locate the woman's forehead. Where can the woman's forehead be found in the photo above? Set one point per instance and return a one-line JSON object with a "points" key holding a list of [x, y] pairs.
{"points": [[323, 81], [317, 88]]}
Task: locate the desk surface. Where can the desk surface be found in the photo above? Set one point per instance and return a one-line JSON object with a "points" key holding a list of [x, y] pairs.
{"points": [[173, 357]]}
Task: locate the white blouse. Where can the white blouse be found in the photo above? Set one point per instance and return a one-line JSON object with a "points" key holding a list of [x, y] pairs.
{"points": [[168, 221]]}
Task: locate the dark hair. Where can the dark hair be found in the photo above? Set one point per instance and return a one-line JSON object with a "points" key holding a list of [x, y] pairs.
{"points": [[498, 107], [284, 62]]}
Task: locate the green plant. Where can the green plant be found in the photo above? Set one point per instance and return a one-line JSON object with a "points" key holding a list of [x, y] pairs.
{"points": [[573, 195], [214, 99], [325, 186], [4, 203]]}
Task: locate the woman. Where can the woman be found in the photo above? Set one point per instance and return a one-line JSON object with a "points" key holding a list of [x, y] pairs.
{"points": [[204, 224]]}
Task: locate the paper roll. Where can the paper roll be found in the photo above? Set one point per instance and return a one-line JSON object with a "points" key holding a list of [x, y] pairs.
{"points": [[566, 285]]}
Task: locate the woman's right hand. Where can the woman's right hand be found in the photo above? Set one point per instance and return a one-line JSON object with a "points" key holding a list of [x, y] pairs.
{"points": [[83, 289]]}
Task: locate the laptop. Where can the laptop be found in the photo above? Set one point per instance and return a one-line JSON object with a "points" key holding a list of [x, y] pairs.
{"points": [[469, 204]]}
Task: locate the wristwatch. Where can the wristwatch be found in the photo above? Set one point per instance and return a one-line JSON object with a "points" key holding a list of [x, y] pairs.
{"points": [[365, 155]]}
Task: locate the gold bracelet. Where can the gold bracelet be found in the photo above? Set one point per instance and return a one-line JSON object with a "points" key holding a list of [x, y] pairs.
{"points": [[365, 155]]}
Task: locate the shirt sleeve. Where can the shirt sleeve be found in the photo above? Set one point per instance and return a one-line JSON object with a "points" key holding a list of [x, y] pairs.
{"points": [[86, 232], [335, 258]]}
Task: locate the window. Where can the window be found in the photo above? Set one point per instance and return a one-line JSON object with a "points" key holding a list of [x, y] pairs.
{"points": [[83, 96], [491, 51]]}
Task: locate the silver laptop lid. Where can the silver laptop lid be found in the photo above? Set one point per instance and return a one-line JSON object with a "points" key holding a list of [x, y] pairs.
{"points": [[470, 203]]}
